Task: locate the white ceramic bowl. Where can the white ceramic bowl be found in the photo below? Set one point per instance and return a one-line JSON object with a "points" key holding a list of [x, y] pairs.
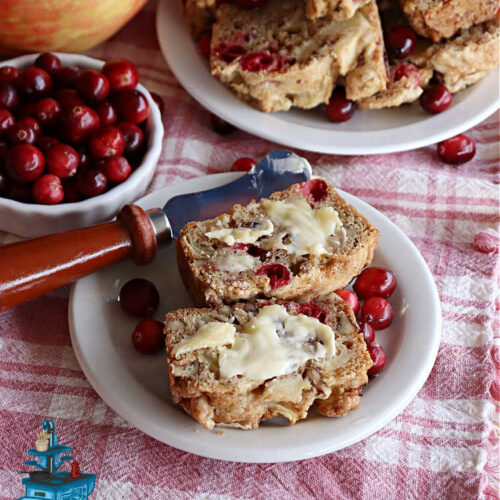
{"points": [[29, 219]]}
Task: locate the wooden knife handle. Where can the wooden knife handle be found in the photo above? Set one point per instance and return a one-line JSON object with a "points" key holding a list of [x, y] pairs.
{"points": [[33, 267]]}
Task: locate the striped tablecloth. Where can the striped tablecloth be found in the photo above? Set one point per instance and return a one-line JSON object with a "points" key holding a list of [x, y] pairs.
{"points": [[444, 445]]}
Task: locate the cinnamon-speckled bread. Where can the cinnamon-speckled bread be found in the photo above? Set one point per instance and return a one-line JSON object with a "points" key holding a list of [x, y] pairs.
{"points": [[274, 57], [238, 365], [303, 241]]}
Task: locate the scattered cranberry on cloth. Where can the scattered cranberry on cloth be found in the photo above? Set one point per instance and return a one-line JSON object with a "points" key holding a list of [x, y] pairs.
{"points": [[444, 445]]}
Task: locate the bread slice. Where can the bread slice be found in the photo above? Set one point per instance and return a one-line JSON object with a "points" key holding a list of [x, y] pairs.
{"points": [[439, 19], [274, 57], [238, 365], [303, 241]]}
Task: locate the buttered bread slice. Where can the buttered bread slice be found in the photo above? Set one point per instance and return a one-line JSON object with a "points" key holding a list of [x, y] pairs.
{"points": [[300, 242], [238, 365]]}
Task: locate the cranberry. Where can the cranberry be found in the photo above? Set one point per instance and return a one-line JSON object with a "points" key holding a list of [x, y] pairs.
{"points": [[3, 183], [62, 160], [6, 122], [317, 189], [278, 274], [117, 169], [44, 142], [106, 142], [19, 191], [67, 76], [204, 43], [350, 298], [340, 109], [139, 297], [456, 150], [26, 110], [68, 98], [435, 99], [262, 61], [221, 126], [158, 101], [92, 85], [121, 74], [4, 147], [132, 106], [24, 131], [314, 310], [403, 70], [250, 4], [368, 333], [134, 137], [47, 112], [378, 357], [229, 53], [107, 113], [400, 42], [34, 83], [9, 74], [48, 62], [91, 182], [78, 122], [375, 281], [85, 159], [71, 193], [243, 165], [9, 98], [24, 162], [147, 336], [377, 312], [48, 190]]}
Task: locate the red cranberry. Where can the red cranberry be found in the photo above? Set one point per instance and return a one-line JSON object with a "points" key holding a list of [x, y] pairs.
{"points": [[9, 74], [340, 109], [375, 281], [67, 76], [6, 122], [229, 53], [278, 274], [350, 298], [4, 147], [9, 98], [48, 190], [48, 62], [117, 169], [313, 310], [368, 333], [91, 182], [19, 191], [139, 297], [317, 189], [92, 85], [45, 142], [24, 162], [377, 312], [204, 43], [71, 193], [262, 61], [147, 336], [121, 74], [47, 112], [3, 183], [435, 99], [78, 122], [62, 160], [68, 98], [250, 4], [134, 137], [24, 131], [221, 126], [456, 150], [378, 357], [85, 159], [107, 113], [34, 83], [159, 101], [132, 106], [106, 142], [400, 42], [243, 165], [403, 70], [26, 110]]}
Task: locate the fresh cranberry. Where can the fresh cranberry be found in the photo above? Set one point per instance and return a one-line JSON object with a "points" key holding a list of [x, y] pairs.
{"points": [[340, 109], [368, 333], [67, 76], [117, 169], [458, 149], [71, 193], [139, 297], [314, 310], [377, 312], [204, 43], [147, 336], [229, 53], [350, 298], [45, 142], [78, 122], [250, 4], [6, 122], [92, 85], [278, 274], [132, 106], [26, 110], [4, 147], [34, 83], [91, 182], [9, 98], [106, 142], [159, 101], [3, 183], [378, 357], [243, 165], [375, 281], [24, 162], [24, 131], [400, 42], [221, 126], [436, 99], [134, 137], [47, 112], [33, 123], [68, 98], [9, 74], [256, 251], [19, 191], [487, 241], [121, 74], [317, 189], [85, 159], [403, 70], [48, 62], [262, 61], [48, 190], [62, 160], [107, 113]]}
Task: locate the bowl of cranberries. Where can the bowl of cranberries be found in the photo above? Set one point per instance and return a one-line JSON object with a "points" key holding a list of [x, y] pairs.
{"points": [[79, 138]]}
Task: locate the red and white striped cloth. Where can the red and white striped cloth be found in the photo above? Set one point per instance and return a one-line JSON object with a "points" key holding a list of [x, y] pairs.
{"points": [[444, 445]]}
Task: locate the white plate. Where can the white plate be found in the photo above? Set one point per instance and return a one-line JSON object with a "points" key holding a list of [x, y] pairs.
{"points": [[368, 132], [136, 386]]}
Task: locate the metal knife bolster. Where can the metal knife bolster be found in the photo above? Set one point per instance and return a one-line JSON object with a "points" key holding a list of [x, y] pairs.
{"points": [[161, 225]]}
